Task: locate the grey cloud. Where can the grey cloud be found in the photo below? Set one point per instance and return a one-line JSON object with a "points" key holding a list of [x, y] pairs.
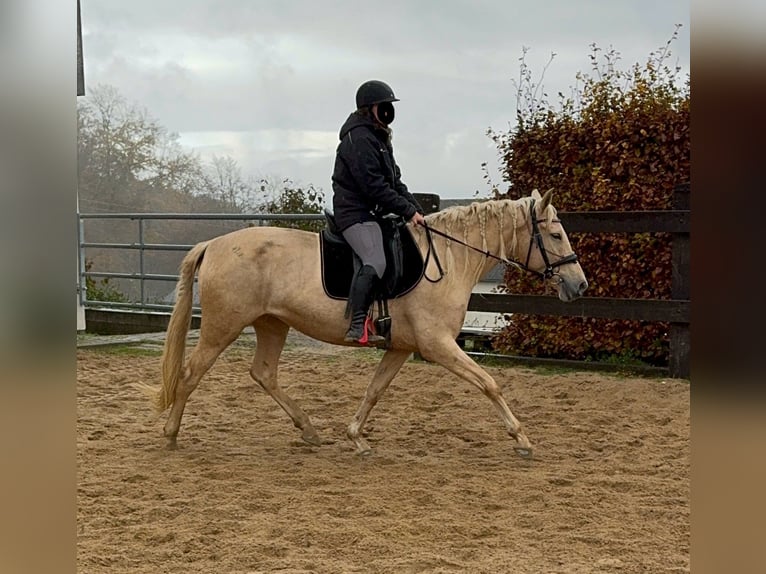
{"points": [[295, 65], [381, 27]]}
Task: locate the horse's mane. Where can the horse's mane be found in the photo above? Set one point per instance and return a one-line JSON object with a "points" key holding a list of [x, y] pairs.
{"points": [[460, 220]]}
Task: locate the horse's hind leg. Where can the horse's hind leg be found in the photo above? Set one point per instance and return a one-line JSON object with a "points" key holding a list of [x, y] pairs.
{"points": [[210, 345], [389, 365], [271, 334], [449, 355]]}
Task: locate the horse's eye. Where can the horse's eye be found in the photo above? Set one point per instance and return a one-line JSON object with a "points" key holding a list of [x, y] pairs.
{"points": [[556, 236]]}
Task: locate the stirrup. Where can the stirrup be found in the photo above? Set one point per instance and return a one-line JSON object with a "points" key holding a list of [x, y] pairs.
{"points": [[372, 341], [368, 336]]}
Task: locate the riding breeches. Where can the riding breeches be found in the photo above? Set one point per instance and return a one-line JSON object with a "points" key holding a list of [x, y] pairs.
{"points": [[366, 240]]}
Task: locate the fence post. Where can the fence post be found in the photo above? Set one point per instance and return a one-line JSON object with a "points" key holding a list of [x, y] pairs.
{"points": [[141, 252], [680, 338]]}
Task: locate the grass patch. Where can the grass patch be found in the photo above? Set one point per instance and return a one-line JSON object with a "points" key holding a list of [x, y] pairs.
{"points": [[543, 367], [133, 350], [548, 370]]}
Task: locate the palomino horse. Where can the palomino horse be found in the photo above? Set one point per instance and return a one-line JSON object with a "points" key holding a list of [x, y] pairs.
{"points": [[270, 278]]}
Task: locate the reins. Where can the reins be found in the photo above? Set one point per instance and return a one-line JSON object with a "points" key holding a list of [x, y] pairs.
{"points": [[432, 249], [535, 238]]}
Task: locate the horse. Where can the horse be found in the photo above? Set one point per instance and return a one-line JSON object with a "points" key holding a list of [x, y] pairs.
{"points": [[270, 278]]}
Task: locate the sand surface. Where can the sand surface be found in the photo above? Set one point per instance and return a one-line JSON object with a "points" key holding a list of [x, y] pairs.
{"points": [[443, 491]]}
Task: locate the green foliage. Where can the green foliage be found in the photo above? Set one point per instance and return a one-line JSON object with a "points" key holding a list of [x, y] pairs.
{"points": [[620, 142], [132, 350], [291, 198], [101, 290]]}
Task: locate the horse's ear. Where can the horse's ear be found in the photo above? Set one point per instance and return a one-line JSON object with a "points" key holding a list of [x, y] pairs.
{"points": [[545, 200], [535, 195]]}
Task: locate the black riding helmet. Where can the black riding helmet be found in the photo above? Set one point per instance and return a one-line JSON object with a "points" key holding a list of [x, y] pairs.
{"points": [[374, 92]]}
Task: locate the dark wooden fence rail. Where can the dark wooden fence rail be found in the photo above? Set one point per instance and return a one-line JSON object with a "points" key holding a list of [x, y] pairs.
{"points": [[676, 311]]}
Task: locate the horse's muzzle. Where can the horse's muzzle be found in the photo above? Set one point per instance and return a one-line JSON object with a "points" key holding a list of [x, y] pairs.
{"points": [[569, 292]]}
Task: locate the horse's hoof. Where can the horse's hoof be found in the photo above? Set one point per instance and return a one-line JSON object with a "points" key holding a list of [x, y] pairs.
{"points": [[171, 444], [311, 437], [523, 451], [363, 452]]}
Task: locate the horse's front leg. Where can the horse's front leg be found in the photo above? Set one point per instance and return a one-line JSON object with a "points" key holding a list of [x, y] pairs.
{"points": [[449, 355], [389, 365]]}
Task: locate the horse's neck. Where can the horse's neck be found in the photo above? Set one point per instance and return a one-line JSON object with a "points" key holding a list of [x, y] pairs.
{"points": [[517, 233], [502, 230], [493, 227]]}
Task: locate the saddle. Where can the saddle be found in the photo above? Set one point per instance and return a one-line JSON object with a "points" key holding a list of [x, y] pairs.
{"points": [[404, 263]]}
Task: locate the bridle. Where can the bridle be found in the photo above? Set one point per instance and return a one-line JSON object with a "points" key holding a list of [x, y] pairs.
{"points": [[535, 239]]}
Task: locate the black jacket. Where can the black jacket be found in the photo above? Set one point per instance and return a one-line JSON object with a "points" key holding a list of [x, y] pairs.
{"points": [[366, 181]]}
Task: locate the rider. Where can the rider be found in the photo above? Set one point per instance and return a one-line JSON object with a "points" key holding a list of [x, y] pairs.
{"points": [[367, 184]]}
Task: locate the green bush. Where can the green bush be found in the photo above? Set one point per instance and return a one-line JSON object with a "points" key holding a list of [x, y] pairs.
{"points": [[101, 290], [296, 200]]}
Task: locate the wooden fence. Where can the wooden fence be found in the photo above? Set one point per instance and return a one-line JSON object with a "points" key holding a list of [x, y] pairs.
{"points": [[676, 311]]}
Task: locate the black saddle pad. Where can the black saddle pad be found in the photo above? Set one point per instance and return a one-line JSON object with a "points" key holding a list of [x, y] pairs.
{"points": [[338, 265]]}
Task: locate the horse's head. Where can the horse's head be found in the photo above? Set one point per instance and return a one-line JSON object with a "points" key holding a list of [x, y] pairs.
{"points": [[550, 252]]}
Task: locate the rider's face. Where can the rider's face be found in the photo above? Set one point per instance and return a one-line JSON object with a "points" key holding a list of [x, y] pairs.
{"points": [[383, 113]]}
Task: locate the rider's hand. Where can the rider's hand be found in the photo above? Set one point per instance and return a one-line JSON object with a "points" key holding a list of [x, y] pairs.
{"points": [[418, 219]]}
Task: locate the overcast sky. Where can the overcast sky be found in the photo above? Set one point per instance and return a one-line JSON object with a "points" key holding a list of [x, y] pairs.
{"points": [[269, 82]]}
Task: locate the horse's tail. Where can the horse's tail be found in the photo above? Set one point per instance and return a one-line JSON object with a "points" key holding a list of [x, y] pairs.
{"points": [[178, 328]]}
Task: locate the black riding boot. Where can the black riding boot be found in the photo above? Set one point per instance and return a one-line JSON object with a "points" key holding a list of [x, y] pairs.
{"points": [[360, 299]]}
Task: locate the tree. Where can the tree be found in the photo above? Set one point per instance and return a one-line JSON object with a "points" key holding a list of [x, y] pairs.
{"points": [[124, 154], [129, 162], [223, 181]]}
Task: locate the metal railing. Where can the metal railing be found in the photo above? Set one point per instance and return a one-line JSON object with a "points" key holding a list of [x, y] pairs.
{"points": [[675, 311], [142, 247]]}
